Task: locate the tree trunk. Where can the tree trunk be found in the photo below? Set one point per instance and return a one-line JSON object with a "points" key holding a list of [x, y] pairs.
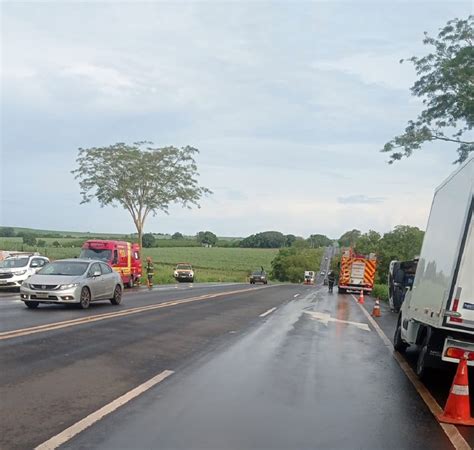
{"points": [[140, 236]]}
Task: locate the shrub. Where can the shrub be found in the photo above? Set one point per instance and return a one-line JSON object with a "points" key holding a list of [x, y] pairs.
{"points": [[380, 291]]}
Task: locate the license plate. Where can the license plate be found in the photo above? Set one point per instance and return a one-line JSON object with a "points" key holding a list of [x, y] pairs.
{"points": [[3, 282], [42, 295]]}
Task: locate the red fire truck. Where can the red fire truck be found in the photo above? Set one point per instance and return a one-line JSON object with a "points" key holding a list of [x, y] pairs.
{"points": [[123, 257], [357, 272]]}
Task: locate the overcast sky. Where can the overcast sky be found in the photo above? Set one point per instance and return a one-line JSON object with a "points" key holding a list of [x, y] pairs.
{"points": [[288, 102]]}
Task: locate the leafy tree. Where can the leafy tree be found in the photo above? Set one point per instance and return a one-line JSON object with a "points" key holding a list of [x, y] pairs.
{"points": [[445, 83], [290, 239], [291, 263], [148, 240], [176, 236], [349, 238], [402, 243], [206, 238], [267, 239], [56, 244], [140, 178], [368, 243], [7, 232], [319, 240], [41, 243], [29, 239]]}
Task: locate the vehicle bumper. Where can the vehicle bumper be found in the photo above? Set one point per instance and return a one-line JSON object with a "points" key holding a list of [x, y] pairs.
{"points": [[463, 345], [355, 287], [13, 282], [71, 295], [184, 277]]}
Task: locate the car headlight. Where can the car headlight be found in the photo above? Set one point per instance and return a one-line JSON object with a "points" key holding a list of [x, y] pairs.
{"points": [[25, 284], [68, 286], [18, 274], [191, 273], [175, 273]]}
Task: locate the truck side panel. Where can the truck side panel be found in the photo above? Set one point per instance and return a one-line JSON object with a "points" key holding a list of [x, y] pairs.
{"points": [[442, 244]]}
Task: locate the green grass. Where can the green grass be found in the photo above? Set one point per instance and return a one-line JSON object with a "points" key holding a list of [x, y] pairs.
{"points": [[210, 264]]}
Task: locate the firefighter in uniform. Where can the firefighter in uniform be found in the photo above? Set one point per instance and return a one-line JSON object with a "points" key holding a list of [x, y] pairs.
{"points": [[149, 272], [331, 280]]}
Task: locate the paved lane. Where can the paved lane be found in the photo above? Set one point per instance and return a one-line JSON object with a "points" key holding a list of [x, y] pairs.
{"points": [[312, 374], [14, 315], [52, 379]]}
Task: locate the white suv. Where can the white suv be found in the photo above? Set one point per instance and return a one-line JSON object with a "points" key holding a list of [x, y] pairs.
{"points": [[16, 269]]}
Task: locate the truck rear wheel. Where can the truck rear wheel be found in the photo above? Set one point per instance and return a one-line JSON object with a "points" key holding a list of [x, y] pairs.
{"points": [[398, 343]]}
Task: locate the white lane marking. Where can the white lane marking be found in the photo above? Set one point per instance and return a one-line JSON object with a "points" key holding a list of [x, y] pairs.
{"points": [[456, 438], [326, 318], [296, 295], [80, 426], [266, 313], [139, 309]]}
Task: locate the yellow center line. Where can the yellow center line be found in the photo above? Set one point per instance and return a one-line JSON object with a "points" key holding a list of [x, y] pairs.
{"points": [[73, 322]]}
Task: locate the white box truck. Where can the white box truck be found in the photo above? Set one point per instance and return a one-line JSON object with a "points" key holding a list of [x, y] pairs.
{"points": [[438, 312]]}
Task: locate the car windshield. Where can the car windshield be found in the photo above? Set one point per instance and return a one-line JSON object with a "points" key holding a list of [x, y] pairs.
{"points": [[258, 273], [183, 267], [66, 268], [13, 263], [100, 254]]}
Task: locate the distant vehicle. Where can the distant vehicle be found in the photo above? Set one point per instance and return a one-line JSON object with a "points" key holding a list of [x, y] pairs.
{"points": [[323, 272], [437, 314], [184, 272], [123, 257], [73, 281], [16, 269], [309, 276], [401, 275], [357, 272], [258, 276]]}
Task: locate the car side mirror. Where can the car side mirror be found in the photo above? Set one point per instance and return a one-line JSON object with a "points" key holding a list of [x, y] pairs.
{"points": [[97, 273], [34, 265]]}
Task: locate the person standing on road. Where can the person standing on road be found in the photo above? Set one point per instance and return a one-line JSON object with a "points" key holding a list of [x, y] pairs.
{"points": [[331, 280], [150, 271]]}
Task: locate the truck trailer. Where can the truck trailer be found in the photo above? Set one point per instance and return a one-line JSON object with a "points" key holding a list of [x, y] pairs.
{"points": [[437, 314]]}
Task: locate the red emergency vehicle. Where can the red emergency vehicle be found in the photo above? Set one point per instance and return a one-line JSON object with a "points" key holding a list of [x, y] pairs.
{"points": [[357, 272], [122, 256]]}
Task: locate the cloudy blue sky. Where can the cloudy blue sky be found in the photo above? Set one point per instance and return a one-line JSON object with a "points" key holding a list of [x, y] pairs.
{"points": [[288, 102]]}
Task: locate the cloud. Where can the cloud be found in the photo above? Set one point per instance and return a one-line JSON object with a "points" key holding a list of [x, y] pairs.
{"points": [[360, 199]]}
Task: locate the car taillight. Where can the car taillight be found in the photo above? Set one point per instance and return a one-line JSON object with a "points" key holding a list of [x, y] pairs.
{"points": [[459, 353]]}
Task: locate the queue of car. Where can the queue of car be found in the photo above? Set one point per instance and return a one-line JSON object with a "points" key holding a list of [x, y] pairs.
{"points": [[100, 273]]}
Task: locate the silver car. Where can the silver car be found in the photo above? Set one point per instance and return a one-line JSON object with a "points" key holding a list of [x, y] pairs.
{"points": [[70, 281]]}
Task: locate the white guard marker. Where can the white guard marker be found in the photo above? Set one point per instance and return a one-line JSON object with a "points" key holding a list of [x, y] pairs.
{"points": [[80, 426], [296, 295], [266, 313]]}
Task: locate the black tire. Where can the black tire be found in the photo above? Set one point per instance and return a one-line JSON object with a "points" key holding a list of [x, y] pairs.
{"points": [[265, 282], [398, 343], [117, 298], [421, 368], [31, 305], [191, 280], [85, 300]]}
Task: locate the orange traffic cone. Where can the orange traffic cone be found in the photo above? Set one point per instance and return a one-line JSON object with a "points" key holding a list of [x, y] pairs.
{"points": [[457, 409], [376, 310], [361, 297]]}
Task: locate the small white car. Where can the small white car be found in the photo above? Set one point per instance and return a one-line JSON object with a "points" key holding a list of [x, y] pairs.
{"points": [[16, 269]]}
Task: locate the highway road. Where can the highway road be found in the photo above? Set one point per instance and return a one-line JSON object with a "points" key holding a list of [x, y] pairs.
{"points": [[213, 366]]}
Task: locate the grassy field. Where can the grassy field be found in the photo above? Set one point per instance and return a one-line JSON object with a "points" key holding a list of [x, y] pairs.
{"points": [[210, 264]]}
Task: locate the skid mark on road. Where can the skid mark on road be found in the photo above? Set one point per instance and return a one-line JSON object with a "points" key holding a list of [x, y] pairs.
{"points": [[80, 426], [456, 438], [139, 309]]}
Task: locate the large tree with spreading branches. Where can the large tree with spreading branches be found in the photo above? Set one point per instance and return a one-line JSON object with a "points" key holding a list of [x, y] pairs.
{"points": [[446, 85], [142, 179]]}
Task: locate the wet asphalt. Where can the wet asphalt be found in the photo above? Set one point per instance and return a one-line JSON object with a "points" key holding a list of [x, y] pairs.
{"points": [[296, 379]]}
